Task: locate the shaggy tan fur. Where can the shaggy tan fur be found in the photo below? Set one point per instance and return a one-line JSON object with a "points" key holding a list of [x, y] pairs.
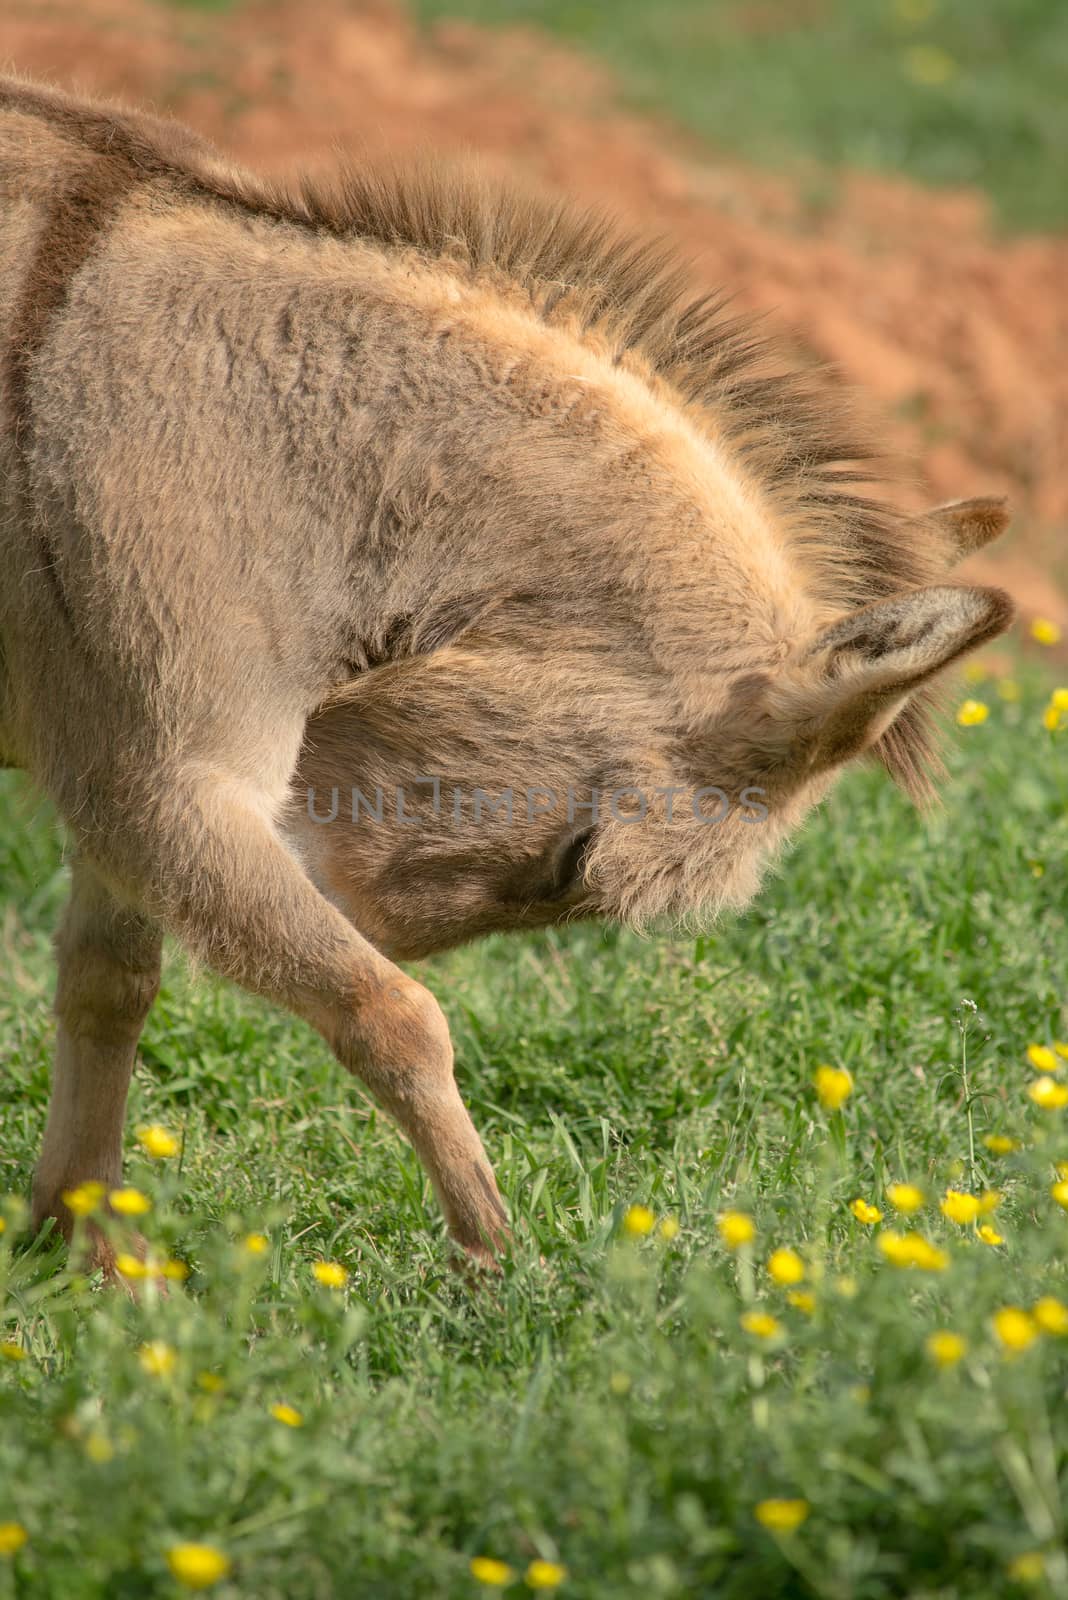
{"points": [[398, 477]]}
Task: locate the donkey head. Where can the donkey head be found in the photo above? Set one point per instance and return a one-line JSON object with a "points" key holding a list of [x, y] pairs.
{"points": [[530, 767]]}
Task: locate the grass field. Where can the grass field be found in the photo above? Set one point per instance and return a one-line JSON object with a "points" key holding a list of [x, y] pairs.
{"points": [[946, 91], [623, 1407]]}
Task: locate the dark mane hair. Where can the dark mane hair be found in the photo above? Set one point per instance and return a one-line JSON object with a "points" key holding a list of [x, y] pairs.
{"points": [[579, 268]]}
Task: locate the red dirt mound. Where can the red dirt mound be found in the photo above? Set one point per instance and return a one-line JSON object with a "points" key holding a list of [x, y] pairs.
{"points": [[961, 337]]}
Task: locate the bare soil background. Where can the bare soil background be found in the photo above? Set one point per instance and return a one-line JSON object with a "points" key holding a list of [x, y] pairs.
{"points": [[959, 335]]}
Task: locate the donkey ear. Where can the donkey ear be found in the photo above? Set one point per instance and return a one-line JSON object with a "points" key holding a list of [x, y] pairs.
{"points": [[857, 674], [967, 525]]}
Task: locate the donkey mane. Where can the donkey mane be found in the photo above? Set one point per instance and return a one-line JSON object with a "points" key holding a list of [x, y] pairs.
{"points": [[578, 268]]}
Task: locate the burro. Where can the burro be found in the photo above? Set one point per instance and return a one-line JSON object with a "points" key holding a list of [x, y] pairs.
{"points": [[402, 474]]}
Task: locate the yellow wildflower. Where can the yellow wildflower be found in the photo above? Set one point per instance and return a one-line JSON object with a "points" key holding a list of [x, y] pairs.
{"points": [[1045, 631], [210, 1382], [912, 1250], [129, 1202], [157, 1358], [157, 1141], [11, 1350], [1059, 698], [638, 1221], [926, 1256], [786, 1266], [545, 1575], [668, 1229], [84, 1199], [999, 1144], [946, 1348], [495, 1574], [1015, 1329], [176, 1271], [283, 1412], [12, 1538], [761, 1324], [1051, 1314], [989, 1201], [868, 1214], [781, 1516], [99, 1448], [972, 713], [1009, 689], [905, 1197], [1054, 720], [1061, 1047], [1059, 1191], [959, 1207], [988, 1234], [1048, 1094], [846, 1287], [255, 1244], [1030, 1567], [735, 1229], [197, 1566], [802, 1300], [130, 1266], [331, 1274], [1042, 1058], [834, 1085]]}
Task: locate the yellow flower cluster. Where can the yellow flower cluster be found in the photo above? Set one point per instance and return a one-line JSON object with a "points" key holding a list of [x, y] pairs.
{"points": [[972, 713], [331, 1274], [197, 1566], [946, 1348], [786, 1266], [834, 1085], [1055, 716], [905, 1197], [130, 1266], [283, 1412], [761, 1324], [912, 1250], [1043, 1059], [639, 1222], [735, 1229], [540, 1575], [158, 1358], [157, 1141], [1017, 1330], [960, 1208], [12, 1538], [781, 1516], [1048, 1094]]}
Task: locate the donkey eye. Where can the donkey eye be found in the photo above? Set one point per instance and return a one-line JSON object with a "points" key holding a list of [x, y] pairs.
{"points": [[567, 866]]}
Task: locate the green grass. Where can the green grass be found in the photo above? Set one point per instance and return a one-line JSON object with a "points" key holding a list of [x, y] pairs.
{"points": [[601, 1407], [843, 82]]}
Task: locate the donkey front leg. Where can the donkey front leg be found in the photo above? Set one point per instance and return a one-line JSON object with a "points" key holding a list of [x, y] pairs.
{"points": [[109, 962], [224, 882]]}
